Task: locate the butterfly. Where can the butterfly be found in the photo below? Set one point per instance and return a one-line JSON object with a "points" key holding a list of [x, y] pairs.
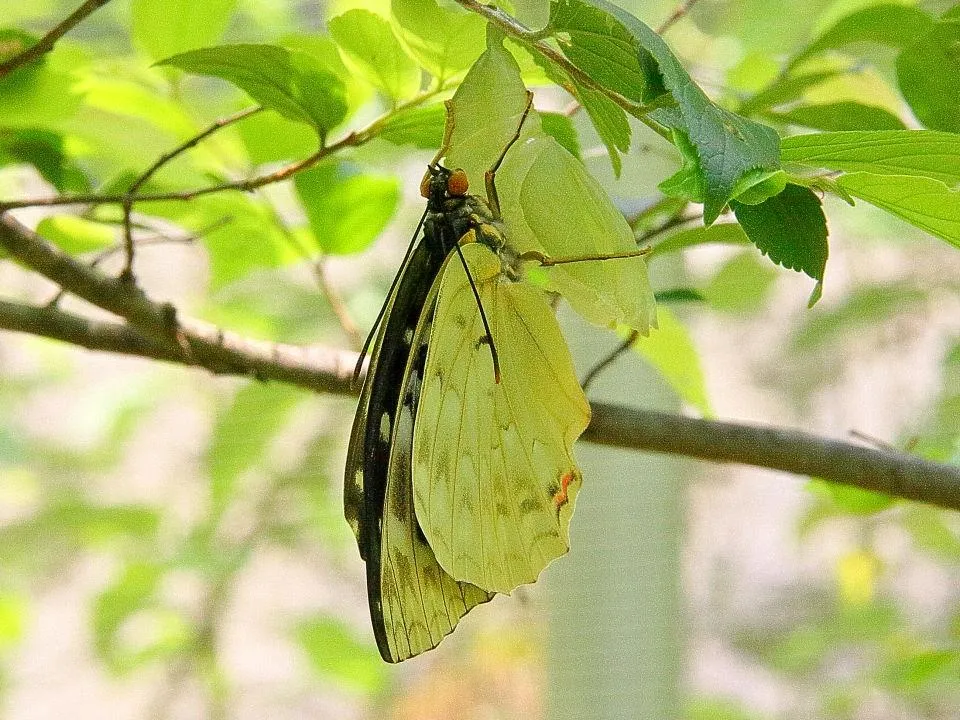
{"points": [[460, 478]]}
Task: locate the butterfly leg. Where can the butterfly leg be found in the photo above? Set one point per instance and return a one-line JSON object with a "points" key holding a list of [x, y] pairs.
{"points": [[489, 177]]}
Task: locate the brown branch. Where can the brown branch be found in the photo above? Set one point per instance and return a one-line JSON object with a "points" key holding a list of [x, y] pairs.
{"points": [[152, 328], [677, 15], [46, 43], [155, 328], [883, 471]]}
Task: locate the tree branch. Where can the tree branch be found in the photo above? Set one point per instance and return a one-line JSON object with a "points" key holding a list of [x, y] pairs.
{"points": [[46, 43], [154, 326], [152, 331]]}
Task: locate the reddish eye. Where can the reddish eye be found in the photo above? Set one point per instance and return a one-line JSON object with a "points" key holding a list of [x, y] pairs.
{"points": [[458, 185], [425, 186]]}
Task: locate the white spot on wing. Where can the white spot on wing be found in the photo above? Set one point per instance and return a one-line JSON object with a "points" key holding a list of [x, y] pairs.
{"points": [[385, 428]]}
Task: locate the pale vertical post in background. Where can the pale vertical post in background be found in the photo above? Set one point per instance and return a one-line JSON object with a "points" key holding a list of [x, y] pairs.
{"points": [[615, 637]]}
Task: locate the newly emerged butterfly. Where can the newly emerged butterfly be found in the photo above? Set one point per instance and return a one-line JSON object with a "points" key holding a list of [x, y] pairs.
{"points": [[460, 477]]}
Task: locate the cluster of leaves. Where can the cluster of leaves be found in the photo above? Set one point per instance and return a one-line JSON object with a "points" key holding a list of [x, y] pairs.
{"points": [[90, 119]]}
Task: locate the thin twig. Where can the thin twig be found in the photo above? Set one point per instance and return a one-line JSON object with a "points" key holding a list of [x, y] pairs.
{"points": [[131, 194], [678, 14], [623, 347], [46, 43], [352, 139]]}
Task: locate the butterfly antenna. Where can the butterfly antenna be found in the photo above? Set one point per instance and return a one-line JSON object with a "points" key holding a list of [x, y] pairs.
{"points": [[383, 308], [483, 316]]}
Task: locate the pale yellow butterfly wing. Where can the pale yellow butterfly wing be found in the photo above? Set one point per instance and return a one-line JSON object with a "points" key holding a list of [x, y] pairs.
{"points": [[494, 478]]}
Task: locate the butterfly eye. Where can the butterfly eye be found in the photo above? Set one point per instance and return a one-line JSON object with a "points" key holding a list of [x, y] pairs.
{"points": [[425, 186], [457, 184]]}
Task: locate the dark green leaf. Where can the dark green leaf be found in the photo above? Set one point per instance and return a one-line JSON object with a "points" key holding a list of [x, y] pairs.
{"points": [[679, 295], [610, 122], [347, 208], [13, 42], [928, 72], [289, 81], [168, 27], [728, 145], [371, 48], [791, 230], [44, 150], [606, 51], [847, 115]]}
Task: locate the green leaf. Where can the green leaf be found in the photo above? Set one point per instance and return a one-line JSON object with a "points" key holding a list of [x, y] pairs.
{"points": [[373, 51], [243, 432], [741, 285], [727, 144], [240, 233], [45, 151], [791, 230], [848, 499], [289, 81], [444, 40], [724, 233], [928, 72], [131, 592], [785, 89], [926, 203], [560, 128], [883, 24], [670, 350], [610, 122], [605, 50], [846, 115], [326, 52], [335, 653], [924, 153], [347, 208], [40, 93], [13, 620], [421, 127], [76, 235], [167, 27]]}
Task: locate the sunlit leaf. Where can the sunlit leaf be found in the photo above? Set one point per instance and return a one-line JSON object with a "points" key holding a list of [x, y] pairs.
{"points": [[291, 82], [167, 27], [373, 51], [76, 235], [347, 208], [445, 40], [928, 72], [926, 203], [335, 653]]}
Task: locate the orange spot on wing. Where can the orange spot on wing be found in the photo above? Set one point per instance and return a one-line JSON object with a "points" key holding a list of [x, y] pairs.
{"points": [[561, 497]]}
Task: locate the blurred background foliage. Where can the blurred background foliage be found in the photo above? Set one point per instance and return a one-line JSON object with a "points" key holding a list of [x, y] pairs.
{"points": [[172, 545]]}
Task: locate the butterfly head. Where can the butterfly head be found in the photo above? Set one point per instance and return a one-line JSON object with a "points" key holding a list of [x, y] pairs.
{"points": [[440, 183]]}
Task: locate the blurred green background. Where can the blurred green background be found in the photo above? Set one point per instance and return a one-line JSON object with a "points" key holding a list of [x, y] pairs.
{"points": [[172, 544]]}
